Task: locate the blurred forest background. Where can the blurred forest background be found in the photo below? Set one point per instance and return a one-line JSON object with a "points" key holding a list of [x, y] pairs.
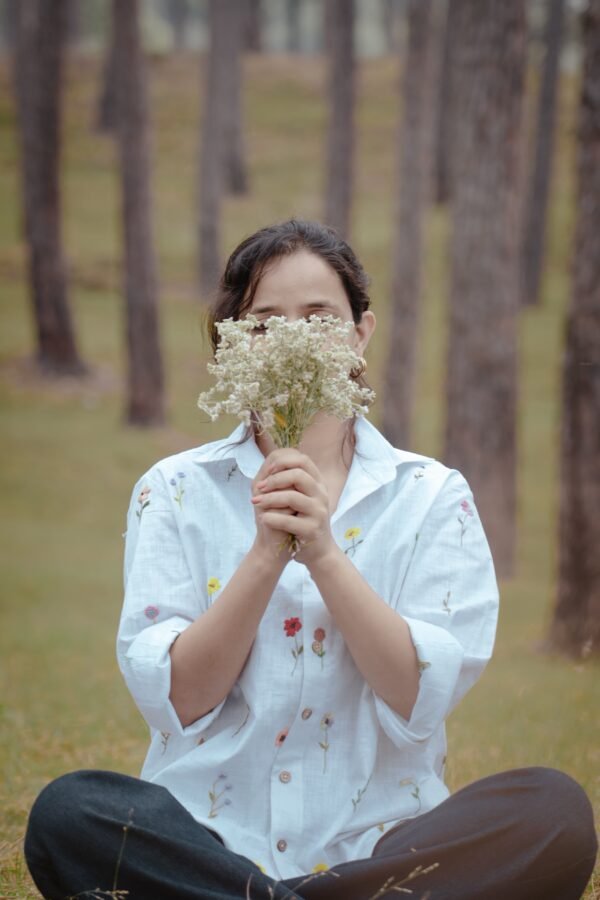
{"points": [[456, 143]]}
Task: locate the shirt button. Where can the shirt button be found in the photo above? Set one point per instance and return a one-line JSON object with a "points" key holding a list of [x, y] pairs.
{"points": [[285, 776], [282, 846], [306, 713]]}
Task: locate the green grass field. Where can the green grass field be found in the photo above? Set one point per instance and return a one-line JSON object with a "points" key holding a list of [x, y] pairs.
{"points": [[68, 464]]}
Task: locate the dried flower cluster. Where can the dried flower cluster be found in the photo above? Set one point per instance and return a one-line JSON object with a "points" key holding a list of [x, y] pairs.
{"points": [[282, 373]]}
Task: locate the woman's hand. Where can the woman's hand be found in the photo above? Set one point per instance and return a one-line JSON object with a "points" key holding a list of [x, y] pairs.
{"points": [[290, 497]]}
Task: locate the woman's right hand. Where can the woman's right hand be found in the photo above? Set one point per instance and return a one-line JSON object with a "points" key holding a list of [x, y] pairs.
{"points": [[269, 543]]}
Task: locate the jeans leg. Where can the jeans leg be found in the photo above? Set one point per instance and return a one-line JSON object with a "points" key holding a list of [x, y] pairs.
{"points": [[95, 830], [526, 834]]}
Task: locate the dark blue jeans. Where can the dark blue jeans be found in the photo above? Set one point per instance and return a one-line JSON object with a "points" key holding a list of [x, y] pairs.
{"points": [[526, 834]]}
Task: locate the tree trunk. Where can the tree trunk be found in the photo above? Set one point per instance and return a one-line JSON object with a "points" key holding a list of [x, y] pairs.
{"points": [[41, 30], [177, 12], [339, 24], [482, 353], [232, 22], [145, 400], [414, 168], [292, 11], [221, 154], [534, 229], [444, 115], [253, 27], [106, 111], [576, 622]]}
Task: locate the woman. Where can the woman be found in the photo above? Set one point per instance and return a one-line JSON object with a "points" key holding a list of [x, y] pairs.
{"points": [[297, 706]]}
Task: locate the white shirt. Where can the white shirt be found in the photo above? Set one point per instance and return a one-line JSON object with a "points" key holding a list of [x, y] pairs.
{"points": [[303, 766]]}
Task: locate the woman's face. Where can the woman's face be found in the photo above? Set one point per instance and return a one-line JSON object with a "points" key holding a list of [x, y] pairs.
{"points": [[301, 285]]}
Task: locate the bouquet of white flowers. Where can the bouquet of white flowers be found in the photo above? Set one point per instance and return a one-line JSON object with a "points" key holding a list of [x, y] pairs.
{"points": [[279, 374], [283, 373]]}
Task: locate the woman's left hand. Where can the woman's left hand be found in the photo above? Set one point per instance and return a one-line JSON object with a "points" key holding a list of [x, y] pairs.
{"points": [[294, 482]]}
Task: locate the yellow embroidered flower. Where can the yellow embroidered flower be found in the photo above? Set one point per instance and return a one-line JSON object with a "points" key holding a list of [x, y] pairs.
{"points": [[258, 866], [213, 586], [320, 867], [351, 533]]}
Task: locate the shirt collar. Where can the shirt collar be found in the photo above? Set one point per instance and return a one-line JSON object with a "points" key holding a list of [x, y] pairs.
{"points": [[374, 462]]}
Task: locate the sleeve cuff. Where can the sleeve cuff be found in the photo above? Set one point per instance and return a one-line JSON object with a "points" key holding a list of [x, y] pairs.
{"points": [[146, 667], [440, 661]]}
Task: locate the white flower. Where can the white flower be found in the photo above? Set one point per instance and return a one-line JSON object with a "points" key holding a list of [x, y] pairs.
{"points": [[285, 374]]}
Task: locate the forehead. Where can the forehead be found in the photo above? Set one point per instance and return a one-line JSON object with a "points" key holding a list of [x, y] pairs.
{"points": [[299, 279]]}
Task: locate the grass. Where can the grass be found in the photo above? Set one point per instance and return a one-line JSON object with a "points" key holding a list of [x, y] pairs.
{"points": [[68, 465]]}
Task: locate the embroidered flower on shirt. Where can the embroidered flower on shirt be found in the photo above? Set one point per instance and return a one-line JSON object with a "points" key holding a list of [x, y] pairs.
{"points": [[292, 627], [232, 471], [178, 483], [246, 717], [164, 739], [446, 603], [423, 665], [360, 794], [350, 535], [416, 793], [281, 737], [326, 723], [152, 612], [466, 514], [419, 473], [317, 645], [381, 827], [212, 586], [216, 793], [320, 867], [143, 501]]}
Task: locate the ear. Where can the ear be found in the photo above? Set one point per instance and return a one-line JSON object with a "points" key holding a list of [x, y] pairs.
{"points": [[363, 331]]}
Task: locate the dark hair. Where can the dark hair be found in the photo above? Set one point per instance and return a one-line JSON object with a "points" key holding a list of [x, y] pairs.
{"points": [[247, 264]]}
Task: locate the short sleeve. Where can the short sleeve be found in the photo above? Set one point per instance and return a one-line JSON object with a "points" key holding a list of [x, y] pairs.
{"points": [[160, 602], [448, 596]]}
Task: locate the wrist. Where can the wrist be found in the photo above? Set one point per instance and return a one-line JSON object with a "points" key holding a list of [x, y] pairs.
{"points": [[267, 560], [325, 561]]}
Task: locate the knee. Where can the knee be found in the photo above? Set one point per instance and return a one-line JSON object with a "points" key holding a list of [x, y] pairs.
{"points": [[563, 806], [59, 806]]}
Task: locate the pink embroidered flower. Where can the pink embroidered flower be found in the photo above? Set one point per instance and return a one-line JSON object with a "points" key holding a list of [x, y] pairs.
{"points": [[320, 635], [467, 513], [292, 626], [281, 737], [143, 501], [151, 612]]}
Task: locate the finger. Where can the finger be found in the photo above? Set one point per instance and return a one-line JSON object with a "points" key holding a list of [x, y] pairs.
{"points": [[293, 500], [301, 526], [289, 478], [290, 457]]}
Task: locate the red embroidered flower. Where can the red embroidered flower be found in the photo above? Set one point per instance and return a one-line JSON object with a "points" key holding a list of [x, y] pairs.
{"points": [[292, 626], [281, 737], [151, 612], [320, 634], [466, 508]]}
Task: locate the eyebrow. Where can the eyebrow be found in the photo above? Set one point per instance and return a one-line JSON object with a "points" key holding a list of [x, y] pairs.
{"points": [[313, 304]]}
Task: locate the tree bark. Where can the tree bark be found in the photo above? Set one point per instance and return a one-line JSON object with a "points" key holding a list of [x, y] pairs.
{"points": [[339, 24], [106, 111], [145, 395], [482, 352], [534, 229], [414, 167], [222, 158], [253, 27], [177, 12], [576, 621], [41, 31], [233, 22], [292, 10], [444, 114]]}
